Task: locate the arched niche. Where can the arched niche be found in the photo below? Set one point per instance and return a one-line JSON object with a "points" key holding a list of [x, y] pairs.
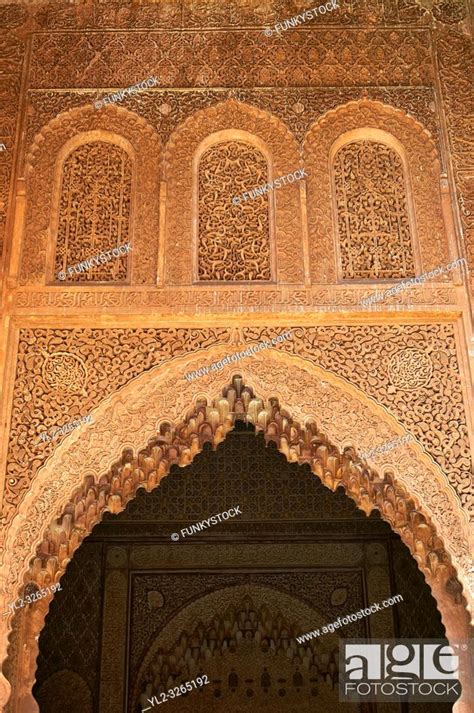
{"points": [[421, 163], [179, 170], [124, 153], [400, 255], [250, 232], [111, 123]]}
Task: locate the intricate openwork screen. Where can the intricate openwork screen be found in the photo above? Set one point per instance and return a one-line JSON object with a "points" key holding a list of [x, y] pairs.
{"points": [[372, 212], [94, 210], [234, 240]]}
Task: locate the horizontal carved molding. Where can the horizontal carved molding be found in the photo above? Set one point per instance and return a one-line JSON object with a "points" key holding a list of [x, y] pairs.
{"points": [[187, 14], [228, 299]]}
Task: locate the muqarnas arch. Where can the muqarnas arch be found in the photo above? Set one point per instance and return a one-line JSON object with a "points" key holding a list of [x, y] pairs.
{"points": [[312, 415]]}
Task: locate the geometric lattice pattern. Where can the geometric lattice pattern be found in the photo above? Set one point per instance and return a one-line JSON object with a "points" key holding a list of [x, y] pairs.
{"points": [[372, 212], [234, 240], [94, 211], [73, 640]]}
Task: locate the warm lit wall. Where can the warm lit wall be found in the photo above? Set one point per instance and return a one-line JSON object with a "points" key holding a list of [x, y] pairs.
{"points": [[400, 366]]}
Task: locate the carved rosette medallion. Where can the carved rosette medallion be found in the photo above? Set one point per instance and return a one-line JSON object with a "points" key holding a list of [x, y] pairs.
{"points": [[65, 373], [410, 369]]}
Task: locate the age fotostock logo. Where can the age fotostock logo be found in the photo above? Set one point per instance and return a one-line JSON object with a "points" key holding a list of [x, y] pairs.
{"points": [[401, 670]]}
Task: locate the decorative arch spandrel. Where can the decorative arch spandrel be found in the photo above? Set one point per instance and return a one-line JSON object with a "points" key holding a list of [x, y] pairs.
{"points": [[179, 170], [126, 129], [423, 189]]}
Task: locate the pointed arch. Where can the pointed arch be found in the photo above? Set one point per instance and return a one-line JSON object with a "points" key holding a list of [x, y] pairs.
{"points": [[314, 416]]}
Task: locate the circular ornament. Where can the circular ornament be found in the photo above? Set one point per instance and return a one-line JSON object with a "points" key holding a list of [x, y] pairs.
{"points": [[65, 372], [410, 369]]}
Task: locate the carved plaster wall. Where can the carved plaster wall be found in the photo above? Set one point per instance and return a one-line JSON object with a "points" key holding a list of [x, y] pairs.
{"points": [[411, 370], [349, 419], [291, 81], [247, 60], [374, 227], [413, 494], [231, 238], [184, 212], [12, 58], [92, 207], [341, 58], [209, 421], [453, 49]]}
